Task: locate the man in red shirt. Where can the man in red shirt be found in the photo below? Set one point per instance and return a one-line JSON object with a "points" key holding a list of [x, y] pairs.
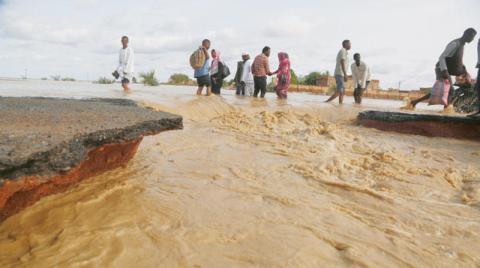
{"points": [[260, 71]]}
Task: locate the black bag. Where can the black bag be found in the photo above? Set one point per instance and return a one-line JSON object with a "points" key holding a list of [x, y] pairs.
{"points": [[116, 75], [225, 71]]}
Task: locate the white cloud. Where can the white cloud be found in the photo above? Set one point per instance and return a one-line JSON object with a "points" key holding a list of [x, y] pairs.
{"points": [[83, 36], [287, 27], [25, 28]]}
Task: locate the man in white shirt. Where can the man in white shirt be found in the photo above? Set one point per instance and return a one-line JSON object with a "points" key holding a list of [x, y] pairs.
{"points": [[450, 63], [247, 76], [125, 64], [341, 71], [361, 77]]}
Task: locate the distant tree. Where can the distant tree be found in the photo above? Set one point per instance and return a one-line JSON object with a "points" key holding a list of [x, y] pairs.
{"points": [[69, 79], [294, 80], [44, 78], [179, 79], [311, 78], [149, 78]]}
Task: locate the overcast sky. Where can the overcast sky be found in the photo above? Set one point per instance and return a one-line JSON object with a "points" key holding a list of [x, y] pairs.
{"points": [[400, 39]]}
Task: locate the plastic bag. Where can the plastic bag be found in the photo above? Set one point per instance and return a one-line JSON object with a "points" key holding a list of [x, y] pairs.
{"points": [[440, 91]]}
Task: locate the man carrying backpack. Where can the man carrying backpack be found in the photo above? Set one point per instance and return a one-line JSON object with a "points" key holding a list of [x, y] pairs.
{"points": [[450, 63], [203, 74]]}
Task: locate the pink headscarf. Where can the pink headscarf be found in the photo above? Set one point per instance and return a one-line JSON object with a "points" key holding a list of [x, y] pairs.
{"points": [[215, 61], [284, 67]]}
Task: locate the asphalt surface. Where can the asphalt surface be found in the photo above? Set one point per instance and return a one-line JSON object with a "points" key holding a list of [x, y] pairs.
{"points": [[42, 136], [402, 117]]}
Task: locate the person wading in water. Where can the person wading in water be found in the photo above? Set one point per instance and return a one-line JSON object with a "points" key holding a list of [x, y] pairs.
{"points": [[341, 71], [125, 64], [450, 63], [203, 74], [360, 77]]}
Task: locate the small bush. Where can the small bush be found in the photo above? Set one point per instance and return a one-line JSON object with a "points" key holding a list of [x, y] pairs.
{"points": [[44, 78], [178, 78], [149, 79], [104, 80], [69, 79]]}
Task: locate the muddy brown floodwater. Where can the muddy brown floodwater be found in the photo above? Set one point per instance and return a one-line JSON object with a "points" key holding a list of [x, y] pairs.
{"points": [[262, 184]]}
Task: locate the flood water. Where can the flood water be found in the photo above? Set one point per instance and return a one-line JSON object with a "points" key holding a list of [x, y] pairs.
{"points": [[252, 183]]}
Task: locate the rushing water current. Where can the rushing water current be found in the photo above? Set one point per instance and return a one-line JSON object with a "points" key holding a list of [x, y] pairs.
{"points": [[252, 183]]}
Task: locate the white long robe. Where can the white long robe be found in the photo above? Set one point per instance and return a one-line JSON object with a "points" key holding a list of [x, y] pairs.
{"points": [[125, 63]]}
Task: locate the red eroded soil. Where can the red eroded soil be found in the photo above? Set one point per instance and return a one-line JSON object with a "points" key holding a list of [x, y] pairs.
{"points": [[428, 128], [23, 192]]}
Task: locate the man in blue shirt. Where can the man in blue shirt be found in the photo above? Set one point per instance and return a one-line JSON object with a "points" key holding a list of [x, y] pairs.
{"points": [[203, 74]]}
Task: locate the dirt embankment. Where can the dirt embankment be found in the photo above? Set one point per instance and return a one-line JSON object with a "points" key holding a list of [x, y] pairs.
{"points": [[49, 144]]}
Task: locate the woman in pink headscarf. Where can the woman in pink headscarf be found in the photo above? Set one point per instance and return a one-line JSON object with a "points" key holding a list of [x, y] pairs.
{"points": [[216, 72], [283, 75]]}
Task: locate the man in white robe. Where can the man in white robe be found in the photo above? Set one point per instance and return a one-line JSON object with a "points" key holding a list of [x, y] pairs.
{"points": [[125, 64]]}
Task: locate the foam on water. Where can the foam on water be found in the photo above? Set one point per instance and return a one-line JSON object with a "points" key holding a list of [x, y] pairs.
{"points": [[259, 183]]}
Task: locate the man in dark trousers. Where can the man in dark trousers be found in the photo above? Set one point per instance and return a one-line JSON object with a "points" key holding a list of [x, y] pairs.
{"points": [[477, 83], [451, 63], [260, 71], [238, 75]]}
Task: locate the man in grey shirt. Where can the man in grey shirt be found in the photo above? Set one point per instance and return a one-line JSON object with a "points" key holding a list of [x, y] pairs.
{"points": [[341, 71], [451, 63]]}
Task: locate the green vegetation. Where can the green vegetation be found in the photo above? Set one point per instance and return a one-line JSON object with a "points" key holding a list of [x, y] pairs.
{"points": [[294, 80], [59, 78], [271, 86], [149, 78], [104, 80], [311, 78], [228, 83], [44, 78], [179, 79]]}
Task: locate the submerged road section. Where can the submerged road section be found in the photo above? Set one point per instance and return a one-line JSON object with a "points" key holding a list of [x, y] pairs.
{"points": [[48, 145]]}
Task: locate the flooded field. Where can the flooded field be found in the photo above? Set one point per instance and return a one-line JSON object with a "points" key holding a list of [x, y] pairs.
{"points": [[259, 184]]}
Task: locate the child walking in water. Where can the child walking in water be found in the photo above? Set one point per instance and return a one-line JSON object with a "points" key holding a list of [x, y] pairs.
{"points": [[283, 75]]}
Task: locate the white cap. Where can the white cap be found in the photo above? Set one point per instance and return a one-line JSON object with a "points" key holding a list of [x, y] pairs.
{"points": [[245, 54]]}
